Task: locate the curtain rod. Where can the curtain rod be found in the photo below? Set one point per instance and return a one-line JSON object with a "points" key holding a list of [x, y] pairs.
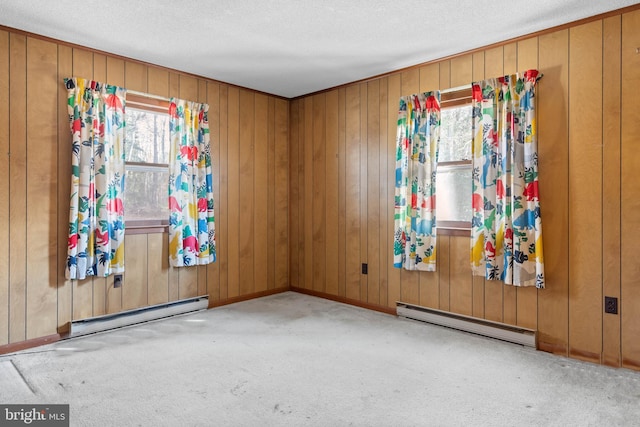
{"points": [[147, 95]]}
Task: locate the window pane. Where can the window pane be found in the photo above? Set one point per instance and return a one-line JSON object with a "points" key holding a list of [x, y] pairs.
{"points": [[454, 194], [147, 136], [146, 195], [455, 134]]}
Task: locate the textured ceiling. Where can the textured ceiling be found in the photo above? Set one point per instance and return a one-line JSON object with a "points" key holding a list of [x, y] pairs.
{"points": [[291, 47]]}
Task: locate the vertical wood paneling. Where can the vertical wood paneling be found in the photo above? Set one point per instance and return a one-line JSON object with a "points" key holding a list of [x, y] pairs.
{"points": [[352, 192], [246, 225], [35, 297], [65, 62], [527, 297], [222, 224], [17, 185], [342, 192], [319, 191], [384, 207], [331, 185], [630, 209], [158, 82], [233, 188], [553, 132], [134, 287], [213, 269], [611, 195], [585, 180], [4, 188], [135, 77], [157, 251], [394, 94], [357, 123], [364, 279], [410, 280], [188, 88], [460, 282], [261, 192], [302, 176], [271, 211], [42, 181], [429, 77], [443, 266], [510, 61], [373, 192], [478, 66], [445, 75], [308, 192], [294, 193], [461, 70], [281, 193]]}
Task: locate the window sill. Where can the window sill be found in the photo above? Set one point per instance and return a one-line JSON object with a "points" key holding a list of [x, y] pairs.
{"points": [[454, 228], [146, 227], [450, 231]]}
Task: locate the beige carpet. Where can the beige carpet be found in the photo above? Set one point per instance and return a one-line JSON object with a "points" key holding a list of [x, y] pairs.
{"points": [[295, 360]]}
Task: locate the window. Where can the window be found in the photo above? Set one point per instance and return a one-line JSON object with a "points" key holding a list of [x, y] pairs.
{"points": [[453, 208], [146, 163]]}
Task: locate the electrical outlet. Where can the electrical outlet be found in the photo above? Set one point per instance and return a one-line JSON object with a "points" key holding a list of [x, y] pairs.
{"points": [[611, 305], [117, 280], [365, 268]]}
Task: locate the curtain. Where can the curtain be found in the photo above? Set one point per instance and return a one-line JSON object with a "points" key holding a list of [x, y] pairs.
{"points": [[191, 223], [96, 223], [506, 231], [414, 246]]}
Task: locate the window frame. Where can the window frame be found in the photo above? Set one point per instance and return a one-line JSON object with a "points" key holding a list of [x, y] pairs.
{"points": [[153, 105], [454, 99]]}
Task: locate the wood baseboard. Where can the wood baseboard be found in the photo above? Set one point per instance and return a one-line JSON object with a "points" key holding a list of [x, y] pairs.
{"points": [[23, 345], [246, 297], [374, 307]]}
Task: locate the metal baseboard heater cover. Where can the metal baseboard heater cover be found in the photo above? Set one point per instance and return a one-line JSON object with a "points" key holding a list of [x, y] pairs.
{"points": [[141, 315], [514, 334]]}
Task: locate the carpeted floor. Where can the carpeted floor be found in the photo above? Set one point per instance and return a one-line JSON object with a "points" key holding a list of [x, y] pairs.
{"points": [[295, 360]]}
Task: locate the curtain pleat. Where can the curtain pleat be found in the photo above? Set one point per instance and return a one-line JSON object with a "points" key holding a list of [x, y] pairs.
{"points": [[415, 189], [506, 239], [96, 215], [192, 222]]}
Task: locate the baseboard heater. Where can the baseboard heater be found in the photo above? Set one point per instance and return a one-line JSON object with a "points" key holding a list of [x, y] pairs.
{"points": [[514, 334], [140, 315]]}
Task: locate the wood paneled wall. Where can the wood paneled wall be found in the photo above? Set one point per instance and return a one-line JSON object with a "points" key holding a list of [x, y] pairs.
{"points": [[342, 187], [249, 135], [304, 192]]}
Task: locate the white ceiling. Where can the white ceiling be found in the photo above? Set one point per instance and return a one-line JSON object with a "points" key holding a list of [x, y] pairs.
{"points": [[291, 47]]}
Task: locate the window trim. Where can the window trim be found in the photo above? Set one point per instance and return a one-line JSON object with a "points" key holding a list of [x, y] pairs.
{"points": [[153, 105], [448, 100]]}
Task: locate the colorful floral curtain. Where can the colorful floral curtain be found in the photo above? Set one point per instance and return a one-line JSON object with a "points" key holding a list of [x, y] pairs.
{"points": [[96, 223], [506, 226], [192, 238], [414, 245]]}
